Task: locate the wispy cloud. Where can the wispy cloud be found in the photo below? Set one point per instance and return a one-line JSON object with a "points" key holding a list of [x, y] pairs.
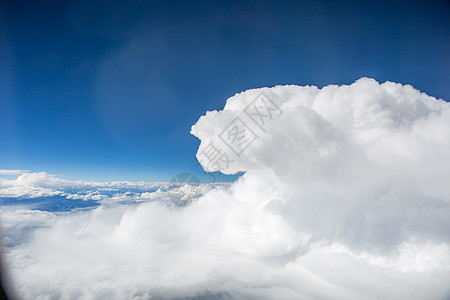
{"points": [[13, 172]]}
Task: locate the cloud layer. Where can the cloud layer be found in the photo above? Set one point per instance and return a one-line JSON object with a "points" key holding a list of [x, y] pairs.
{"points": [[344, 196]]}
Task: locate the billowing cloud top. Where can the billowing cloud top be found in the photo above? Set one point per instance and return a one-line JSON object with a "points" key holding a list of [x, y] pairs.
{"points": [[293, 129], [344, 196]]}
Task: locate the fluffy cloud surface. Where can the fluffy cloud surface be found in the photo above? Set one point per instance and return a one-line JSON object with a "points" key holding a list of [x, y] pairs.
{"points": [[345, 196]]}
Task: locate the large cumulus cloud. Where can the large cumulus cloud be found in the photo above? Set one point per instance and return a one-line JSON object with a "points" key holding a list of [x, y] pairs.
{"points": [[344, 196], [366, 162]]}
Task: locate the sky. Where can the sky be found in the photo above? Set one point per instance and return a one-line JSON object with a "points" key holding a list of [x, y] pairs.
{"points": [[109, 90], [344, 196]]}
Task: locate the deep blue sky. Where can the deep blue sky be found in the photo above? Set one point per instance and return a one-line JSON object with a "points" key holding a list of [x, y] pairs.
{"points": [[108, 90]]}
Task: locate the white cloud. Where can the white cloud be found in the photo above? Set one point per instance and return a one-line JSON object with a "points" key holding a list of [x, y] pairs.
{"points": [[32, 185], [344, 197], [42, 184], [367, 160], [12, 172]]}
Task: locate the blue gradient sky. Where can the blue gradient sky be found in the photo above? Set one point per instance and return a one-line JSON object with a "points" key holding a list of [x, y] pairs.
{"points": [[108, 90]]}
